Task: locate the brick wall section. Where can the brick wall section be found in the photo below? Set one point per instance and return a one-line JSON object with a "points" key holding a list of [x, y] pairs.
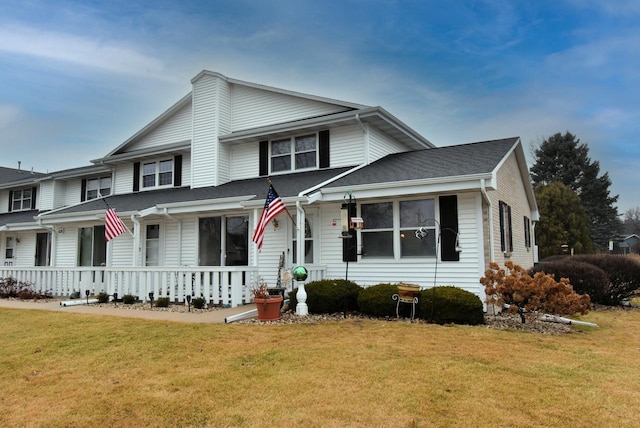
{"points": [[511, 190]]}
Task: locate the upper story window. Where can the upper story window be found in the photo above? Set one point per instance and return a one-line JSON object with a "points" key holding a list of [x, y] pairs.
{"points": [[97, 187], [21, 200], [294, 153], [157, 174]]}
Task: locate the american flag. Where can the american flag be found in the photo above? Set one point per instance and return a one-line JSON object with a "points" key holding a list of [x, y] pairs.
{"points": [[113, 225], [272, 207]]}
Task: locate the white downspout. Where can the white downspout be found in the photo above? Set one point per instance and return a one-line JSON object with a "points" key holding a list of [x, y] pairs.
{"points": [[136, 240], [483, 189], [166, 214]]}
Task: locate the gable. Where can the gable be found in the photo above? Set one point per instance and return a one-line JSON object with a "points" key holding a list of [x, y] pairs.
{"points": [[174, 128], [254, 107]]}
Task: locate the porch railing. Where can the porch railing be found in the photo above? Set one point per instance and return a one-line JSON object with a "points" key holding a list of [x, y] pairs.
{"points": [[227, 286]]}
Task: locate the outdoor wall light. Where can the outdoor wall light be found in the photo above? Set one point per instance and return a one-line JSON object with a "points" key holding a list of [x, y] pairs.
{"points": [[151, 298]]}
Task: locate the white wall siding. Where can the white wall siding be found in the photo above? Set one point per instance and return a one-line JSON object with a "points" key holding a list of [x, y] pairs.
{"points": [[244, 161], [511, 190], [464, 273], [72, 193], [122, 248], [254, 107], [175, 129], [224, 127], [46, 195], [67, 247], [123, 179], [204, 154], [346, 146], [381, 144]]}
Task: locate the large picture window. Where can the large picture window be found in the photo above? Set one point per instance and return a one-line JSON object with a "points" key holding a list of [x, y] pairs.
{"points": [[294, 153], [390, 230]]}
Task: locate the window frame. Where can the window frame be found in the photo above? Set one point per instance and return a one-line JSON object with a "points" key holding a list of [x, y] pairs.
{"points": [[158, 175], [100, 190], [400, 232], [22, 199], [506, 228], [294, 153]]}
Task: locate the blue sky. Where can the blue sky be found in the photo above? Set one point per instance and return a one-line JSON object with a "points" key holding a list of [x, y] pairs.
{"points": [[78, 78]]}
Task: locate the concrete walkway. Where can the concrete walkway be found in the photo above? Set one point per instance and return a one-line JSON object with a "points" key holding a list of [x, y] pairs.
{"points": [[214, 317]]}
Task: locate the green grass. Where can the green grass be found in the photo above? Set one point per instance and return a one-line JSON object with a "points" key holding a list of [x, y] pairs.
{"points": [[74, 370]]}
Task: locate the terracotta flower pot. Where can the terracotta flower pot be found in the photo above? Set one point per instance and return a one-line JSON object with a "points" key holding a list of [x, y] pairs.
{"points": [[269, 309], [408, 291]]}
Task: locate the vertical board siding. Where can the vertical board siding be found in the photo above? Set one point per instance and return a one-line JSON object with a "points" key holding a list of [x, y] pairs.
{"points": [[174, 129], [204, 154], [254, 107]]}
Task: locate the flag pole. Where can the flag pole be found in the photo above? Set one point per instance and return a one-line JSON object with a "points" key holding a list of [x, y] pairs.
{"points": [[285, 207]]}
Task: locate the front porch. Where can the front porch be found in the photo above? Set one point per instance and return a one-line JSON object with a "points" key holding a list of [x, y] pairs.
{"points": [[224, 286]]}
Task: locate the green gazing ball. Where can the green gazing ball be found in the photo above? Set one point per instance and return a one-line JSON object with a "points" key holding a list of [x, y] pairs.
{"points": [[300, 273]]}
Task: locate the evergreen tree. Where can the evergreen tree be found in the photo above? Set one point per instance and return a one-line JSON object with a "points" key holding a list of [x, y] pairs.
{"points": [[562, 228], [563, 159]]}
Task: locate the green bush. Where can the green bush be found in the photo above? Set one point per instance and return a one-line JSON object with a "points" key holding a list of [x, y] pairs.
{"points": [[102, 297], [585, 278], [623, 273], [129, 299], [377, 301], [328, 296], [198, 302], [162, 302], [450, 304]]}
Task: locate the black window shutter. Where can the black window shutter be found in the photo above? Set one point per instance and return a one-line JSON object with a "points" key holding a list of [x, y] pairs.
{"points": [[503, 244], [264, 158], [136, 177], [33, 198], [83, 190], [510, 228], [10, 200], [350, 245], [449, 228], [177, 171], [323, 149]]}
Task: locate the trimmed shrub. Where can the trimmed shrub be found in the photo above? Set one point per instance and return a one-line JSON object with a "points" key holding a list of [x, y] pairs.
{"points": [[450, 304], [198, 302], [585, 278], [376, 300], [623, 273], [328, 296], [129, 299], [162, 302], [102, 297]]}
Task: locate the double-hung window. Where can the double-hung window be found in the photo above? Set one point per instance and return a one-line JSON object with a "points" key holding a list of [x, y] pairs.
{"points": [[21, 200], [294, 153], [157, 174], [97, 187]]}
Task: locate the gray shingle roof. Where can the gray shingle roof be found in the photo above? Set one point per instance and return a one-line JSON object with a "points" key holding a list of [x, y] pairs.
{"points": [[450, 161], [11, 175], [286, 185], [18, 217]]}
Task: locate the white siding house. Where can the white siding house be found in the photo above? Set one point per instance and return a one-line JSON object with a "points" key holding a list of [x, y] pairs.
{"points": [[191, 185]]}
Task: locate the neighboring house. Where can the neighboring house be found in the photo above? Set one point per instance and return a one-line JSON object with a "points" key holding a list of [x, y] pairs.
{"points": [[626, 244], [191, 186]]}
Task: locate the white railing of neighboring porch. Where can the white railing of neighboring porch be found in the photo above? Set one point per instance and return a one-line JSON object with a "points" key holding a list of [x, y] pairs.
{"points": [[227, 286]]}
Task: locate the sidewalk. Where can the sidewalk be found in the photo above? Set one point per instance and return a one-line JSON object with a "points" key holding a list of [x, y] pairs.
{"points": [[213, 317]]}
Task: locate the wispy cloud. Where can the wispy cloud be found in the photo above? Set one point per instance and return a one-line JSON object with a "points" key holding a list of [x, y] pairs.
{"points": [[77, 50]]}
